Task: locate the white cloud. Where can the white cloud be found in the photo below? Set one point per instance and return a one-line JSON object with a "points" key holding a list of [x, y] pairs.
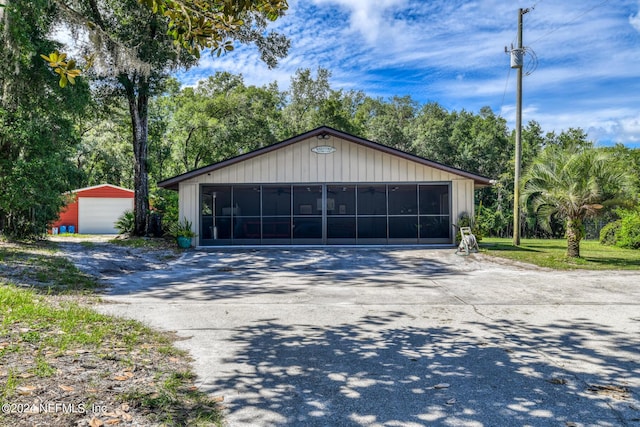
{"points": [[631, 126], [634, 20], [452, 52], [370, 19]]}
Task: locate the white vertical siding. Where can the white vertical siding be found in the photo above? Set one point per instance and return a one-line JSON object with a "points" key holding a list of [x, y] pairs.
{"points": [[350, 163], [189, 204], [462, 198]]}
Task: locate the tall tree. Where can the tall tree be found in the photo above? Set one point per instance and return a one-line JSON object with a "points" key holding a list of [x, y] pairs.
{"points": [[104, 153], [162, 109], [431, 132], [572, 184], [304, 100], [134, 49], [37, 132], [221, 118], [388, 122]]}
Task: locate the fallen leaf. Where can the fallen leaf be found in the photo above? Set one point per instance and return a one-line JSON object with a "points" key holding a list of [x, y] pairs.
{"points": [[127, 417], [112, 421], [125, 376], [28, 389], [125, 407], [217, 399], [95, 422], [66, 387]]}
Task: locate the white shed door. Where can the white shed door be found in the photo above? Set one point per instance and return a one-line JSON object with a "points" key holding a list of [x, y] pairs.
{"points": [[98, 215]]}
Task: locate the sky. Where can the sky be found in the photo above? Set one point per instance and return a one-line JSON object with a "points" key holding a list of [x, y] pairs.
{"points": [[582, 67]]}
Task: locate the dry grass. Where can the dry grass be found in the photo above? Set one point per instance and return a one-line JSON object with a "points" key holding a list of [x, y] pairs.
{"points": [[62, 363]]}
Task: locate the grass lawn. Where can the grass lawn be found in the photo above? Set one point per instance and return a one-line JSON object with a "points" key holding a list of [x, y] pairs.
{"points": [[62, 363], [552, 254]]}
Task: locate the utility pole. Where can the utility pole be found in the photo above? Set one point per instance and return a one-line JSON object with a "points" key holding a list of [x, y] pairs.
{"points": [[517, 59]]}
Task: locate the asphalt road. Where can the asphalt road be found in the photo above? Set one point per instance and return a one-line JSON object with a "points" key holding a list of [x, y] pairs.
{"points": [[395, 337]]}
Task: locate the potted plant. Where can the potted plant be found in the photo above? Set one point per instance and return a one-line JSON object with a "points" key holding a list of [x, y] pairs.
{"points": [[183, 233]]}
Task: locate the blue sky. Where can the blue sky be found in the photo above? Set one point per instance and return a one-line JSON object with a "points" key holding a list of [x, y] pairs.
{"points": [[452, 52]]}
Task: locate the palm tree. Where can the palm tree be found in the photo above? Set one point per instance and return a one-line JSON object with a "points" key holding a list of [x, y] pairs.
{"points": [[572, 184]]}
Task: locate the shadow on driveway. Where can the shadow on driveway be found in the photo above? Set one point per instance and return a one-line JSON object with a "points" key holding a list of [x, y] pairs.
{"points": [[385, 337], [371, 373], [235, 274]]}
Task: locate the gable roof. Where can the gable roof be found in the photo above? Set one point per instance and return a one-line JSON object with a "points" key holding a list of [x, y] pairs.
{"points": [[100, 186], [173, 183]]}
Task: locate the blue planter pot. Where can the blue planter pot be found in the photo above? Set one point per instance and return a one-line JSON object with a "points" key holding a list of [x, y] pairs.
{"points": [[184, 242]]}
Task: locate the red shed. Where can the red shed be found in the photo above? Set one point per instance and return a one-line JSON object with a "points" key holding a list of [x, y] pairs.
{"points": [[94, 210]]}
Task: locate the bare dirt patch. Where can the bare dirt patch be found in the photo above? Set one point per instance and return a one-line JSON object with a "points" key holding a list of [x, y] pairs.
{"points": [[97, 256], [57, 370]]}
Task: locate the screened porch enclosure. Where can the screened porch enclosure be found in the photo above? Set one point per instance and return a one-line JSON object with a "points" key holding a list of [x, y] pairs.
{"points": [[322, 214]]}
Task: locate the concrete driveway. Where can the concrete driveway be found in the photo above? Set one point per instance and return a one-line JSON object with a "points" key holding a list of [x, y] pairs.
{"points": [[397, 337]]}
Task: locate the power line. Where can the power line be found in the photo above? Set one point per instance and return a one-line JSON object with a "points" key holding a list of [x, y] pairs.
{"points": [[568, 22]]}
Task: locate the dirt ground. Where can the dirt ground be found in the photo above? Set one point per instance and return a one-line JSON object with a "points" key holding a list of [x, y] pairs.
{"points": [[89, 386], [96, 256]]}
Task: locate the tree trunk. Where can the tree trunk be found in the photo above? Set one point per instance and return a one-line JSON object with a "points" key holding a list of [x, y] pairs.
{"points": [[574, 235], [137, 90]]}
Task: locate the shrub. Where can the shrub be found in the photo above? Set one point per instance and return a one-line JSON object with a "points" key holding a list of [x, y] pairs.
{"points": [[608, 233], [628, 236], [165, 203], [182, 229], [126, 223], [464, 220]]}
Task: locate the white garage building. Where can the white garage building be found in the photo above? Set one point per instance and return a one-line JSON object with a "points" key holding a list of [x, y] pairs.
{"points": [[94, 210], [325, 187]]}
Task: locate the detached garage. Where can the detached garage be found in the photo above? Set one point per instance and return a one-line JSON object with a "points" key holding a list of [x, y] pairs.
{"points": [[325, 187], [94, 210]]}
